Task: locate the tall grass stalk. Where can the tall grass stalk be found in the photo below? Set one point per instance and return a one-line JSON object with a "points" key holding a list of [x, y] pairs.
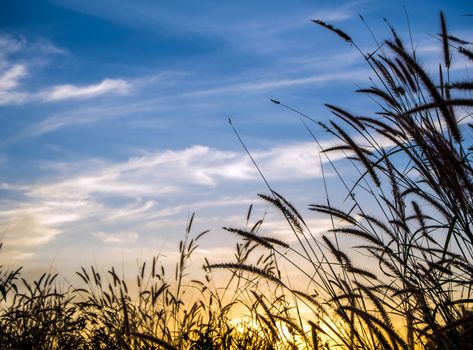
{"points": [[414, 157]]}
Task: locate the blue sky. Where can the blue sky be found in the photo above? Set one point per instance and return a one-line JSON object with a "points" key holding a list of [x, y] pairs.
{"points": [[114, 114]]}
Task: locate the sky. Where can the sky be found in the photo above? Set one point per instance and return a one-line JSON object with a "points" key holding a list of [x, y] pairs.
{"points": [[114, 116]]}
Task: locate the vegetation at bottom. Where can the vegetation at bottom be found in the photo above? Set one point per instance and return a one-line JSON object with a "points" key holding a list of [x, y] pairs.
{"points": [[395, 271]]}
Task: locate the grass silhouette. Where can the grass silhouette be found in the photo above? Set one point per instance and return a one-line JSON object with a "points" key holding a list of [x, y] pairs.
{"points": [[412, 291]]}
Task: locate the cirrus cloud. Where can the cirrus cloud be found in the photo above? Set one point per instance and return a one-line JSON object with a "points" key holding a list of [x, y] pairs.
{"points": [[120, 237], [69, 91]]}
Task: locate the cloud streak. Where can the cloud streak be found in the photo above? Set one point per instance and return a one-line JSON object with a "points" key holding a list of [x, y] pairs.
{"points": [[339, 13], [165, 172], [69, 91], [12, 72], [10, 78], [117, 237], [353, 75], [11, 96], [105, 196]]}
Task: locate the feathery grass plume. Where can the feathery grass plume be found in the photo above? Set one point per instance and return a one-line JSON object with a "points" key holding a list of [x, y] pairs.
{"points": [[382, 94], [290, 206], [395, 338], [459, 102], [337, 31], [350, 296], [457, 39], [248, 268], [446, 112], [381, 126], [154, 340], [266, 324], [248, 214], [358, 233], [397, 75], [333, 212], [466, 320], [381, 338], [340, 148], [439, 267], [406, 75], [360, 152], [387, 78], [126, 322], [467, 53], [394, 180], [342, 258], [378, 303], [379, 224], [272, 324], [251, 236], [445, 37], [421, 219], [444, 89], [275, 241], [396, 37], [345, 116], [310, 298], [362, 272], [462, 85], [288, 322], [287, 211]]}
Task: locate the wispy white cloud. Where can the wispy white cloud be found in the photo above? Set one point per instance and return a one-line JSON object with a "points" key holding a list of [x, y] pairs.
{"points": [[162, 102], [358, 75], [130, 192], [8, 44], [134, 210], [116, 237], [12, 97], [170, 171], [146, 193], [95, 114], [66, 119], [27, 228], [17, 43], [69, 91], [339, 13], [10, 78], [12, 71]]}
